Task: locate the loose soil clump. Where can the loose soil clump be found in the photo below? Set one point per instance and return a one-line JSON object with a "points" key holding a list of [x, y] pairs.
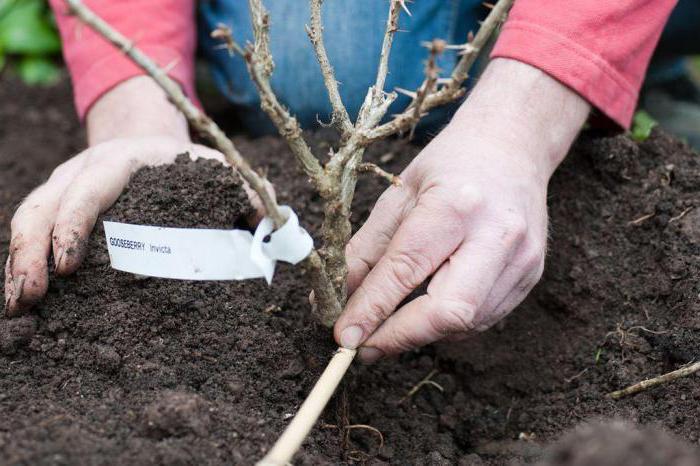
{"points": [[117, 369]]}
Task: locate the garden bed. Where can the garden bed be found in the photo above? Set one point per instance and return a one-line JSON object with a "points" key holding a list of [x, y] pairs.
{"points": [[117, 369]]}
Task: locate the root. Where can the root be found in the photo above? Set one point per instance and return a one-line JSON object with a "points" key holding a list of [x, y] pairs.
{"points": [[426, 381], [640, 220], [649, 383], [357, 455]]}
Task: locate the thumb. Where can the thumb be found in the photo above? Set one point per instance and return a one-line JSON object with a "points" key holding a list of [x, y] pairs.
{"points": [[423, 241]]}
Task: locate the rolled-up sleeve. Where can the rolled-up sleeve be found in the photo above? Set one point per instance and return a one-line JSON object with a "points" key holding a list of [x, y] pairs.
{"points": [[163, 29], [600, 49]]}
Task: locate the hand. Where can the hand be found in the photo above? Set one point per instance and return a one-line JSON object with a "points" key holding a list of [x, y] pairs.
{"points": [[60, 214], [130, 127], [471, 214]]}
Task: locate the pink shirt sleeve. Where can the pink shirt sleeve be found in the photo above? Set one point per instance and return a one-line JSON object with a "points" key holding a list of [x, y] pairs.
{"points": [[163, 29], [598, 48]]}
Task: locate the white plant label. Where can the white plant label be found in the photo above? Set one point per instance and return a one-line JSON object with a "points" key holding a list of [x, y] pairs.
{"points": [[206, 254]]}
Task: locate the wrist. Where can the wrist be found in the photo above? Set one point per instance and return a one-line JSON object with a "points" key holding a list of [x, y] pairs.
{"points": [[134, 108], [524, 110]]}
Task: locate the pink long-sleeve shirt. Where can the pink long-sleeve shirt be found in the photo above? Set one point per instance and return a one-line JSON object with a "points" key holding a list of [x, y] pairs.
{"points": [[598, 48]]}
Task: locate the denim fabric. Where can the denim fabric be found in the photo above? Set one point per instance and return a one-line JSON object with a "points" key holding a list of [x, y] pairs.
{"points": [[353, 32], [353, 35]]}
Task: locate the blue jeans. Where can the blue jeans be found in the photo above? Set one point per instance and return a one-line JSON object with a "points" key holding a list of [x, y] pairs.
{"points": [[353, 33]]}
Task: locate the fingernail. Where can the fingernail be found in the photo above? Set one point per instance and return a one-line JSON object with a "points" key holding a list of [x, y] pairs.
{"points": [[18, 288], [8, 296], [57, 258], [17, 285], [369, 355], [351, 337]]}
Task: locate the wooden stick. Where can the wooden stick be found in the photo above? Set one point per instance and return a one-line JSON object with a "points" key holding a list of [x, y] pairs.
{"points": [[287, 445], [649, 383]]}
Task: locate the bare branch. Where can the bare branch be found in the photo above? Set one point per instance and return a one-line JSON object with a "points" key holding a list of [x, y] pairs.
{"points": [[649, 383], [211, 131], [392, 25], [260, 67], [367, 167], [436, 47], [340, 114], [452, 88], [377, 101], [199, 121]]}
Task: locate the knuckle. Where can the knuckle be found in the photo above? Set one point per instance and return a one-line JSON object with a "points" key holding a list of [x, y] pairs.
{"points": [[453, 316], [534, 261], [374, 308], [409, 269], [60, 171], [467, 199], [461, 202], [515, 230], [399, 340]]}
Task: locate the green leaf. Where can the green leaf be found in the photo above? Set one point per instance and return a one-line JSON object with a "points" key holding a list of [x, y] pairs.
{"points": [[38, 71], [642, 124], [3, 58], [25, 29]]}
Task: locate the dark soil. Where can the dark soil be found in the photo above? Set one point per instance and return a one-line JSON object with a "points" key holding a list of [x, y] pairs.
{"points": [[116, 369]]}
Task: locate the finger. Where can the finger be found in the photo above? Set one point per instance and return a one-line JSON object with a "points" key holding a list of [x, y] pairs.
{"points": [[424, 240], [514, 285], [93, 191], [370, 242], [26, 272], [198, 151], [455, 295]]}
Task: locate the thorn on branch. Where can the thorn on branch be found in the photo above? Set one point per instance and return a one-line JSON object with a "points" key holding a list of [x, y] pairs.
{"points": [[224, 34], [432, 72], [450, 89], [367, 167], [406, 92], [404, 7]]}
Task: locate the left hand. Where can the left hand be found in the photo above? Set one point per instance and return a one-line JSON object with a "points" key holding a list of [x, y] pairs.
{"points": [[471, 213]]}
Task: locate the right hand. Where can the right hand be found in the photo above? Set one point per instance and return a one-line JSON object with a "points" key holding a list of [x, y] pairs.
{"points": [[129, 127]]}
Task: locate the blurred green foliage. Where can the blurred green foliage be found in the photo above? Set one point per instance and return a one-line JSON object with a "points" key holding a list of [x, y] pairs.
{"points": [[642, 124], [29, 40]]}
